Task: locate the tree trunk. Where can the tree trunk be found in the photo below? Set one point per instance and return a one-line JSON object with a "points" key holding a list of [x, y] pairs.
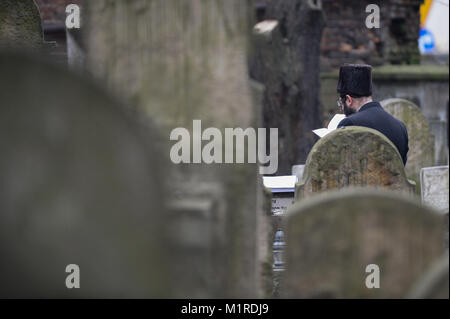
{"points": [[286, 60]]}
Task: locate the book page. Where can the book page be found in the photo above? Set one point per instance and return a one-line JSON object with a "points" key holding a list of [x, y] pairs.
{"points": [[335, 121], [321, 132]]}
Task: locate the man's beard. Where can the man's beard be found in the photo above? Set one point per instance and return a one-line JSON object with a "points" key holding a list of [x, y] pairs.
{"points": [[348, 111]]}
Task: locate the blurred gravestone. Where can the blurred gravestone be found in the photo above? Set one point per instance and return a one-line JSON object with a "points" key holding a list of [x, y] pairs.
{"points": [[434, 187], [332, 238], [353, 156], [421, 141], [80, 185], [434, 284], [197, 242], [182, 61], [20, 24]]}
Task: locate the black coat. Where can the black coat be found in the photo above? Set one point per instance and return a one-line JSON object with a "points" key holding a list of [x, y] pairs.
{"points": [[372, 115]]}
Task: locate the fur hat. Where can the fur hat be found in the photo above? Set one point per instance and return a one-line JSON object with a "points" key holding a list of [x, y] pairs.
{"points": [[355, 79]]}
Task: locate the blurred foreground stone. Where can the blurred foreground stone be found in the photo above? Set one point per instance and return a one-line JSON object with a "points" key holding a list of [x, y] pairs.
{"points": [[434, 284], [81, 184], [180, 61], [333, 237]]}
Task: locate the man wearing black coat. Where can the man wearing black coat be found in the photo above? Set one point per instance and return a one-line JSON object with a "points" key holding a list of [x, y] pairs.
{"points": [[355, 90]]}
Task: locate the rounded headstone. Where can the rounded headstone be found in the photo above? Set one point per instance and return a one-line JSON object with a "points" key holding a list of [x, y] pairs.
{"points": [[80, 185], [353, 156], [434, 284], [421, 140], [332, 239]]}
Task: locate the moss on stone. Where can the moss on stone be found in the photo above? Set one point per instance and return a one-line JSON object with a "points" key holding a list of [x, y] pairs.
{"points": [[20, 24], [353, 156]]}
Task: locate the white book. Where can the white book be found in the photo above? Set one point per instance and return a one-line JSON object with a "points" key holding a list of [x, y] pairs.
{"points": [[321, 132]]}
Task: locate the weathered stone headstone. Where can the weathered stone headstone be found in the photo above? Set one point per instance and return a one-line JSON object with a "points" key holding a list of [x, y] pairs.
{"points": [[434, 187], [421, 140], [434, 284], [181, 61], [20, 24], [353, 156], [332, 239], [80, 185]]}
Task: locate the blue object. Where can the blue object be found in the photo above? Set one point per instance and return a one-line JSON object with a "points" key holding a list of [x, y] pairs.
{"points": [[426, 41]]}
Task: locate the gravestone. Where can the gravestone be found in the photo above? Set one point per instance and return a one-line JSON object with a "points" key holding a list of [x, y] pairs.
{"points": [[198, 225], [332, 238], [434, 187], [81, 184], [421, 140], [435, 190], [20, 24], [180, 61], [353, 156], [434, 283]]}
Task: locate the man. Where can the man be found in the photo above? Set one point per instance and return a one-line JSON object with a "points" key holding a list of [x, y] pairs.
{"points": [[355, 90]]}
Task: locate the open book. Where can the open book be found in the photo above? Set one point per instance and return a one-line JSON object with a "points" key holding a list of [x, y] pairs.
{"points": [[321, 132]]}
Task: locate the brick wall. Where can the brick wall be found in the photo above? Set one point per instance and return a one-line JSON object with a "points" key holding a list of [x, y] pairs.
{"points": [[346, 39], [53, 12], [53, 15]]}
